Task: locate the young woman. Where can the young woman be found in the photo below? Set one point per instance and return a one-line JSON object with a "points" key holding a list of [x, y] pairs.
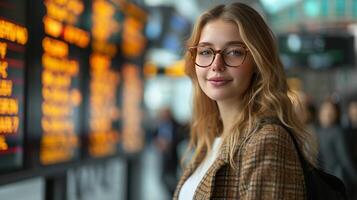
{"points": [[239, 82]]}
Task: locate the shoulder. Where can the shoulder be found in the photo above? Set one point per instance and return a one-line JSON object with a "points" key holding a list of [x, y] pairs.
{"points": [[271, 144], [272, 137], [270, 149], [270, 166]]}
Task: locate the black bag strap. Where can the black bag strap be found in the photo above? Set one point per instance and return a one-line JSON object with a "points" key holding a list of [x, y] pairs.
{"points": [[310, 172]]}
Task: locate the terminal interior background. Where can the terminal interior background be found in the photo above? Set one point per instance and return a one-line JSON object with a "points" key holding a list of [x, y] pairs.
{"points": [[85, 83]]}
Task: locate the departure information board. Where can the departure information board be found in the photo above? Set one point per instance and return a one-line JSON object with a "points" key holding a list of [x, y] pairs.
{"points": [[104, 79], [115, 85], [13, 38], [132, 47], [58, 47], [82, 88]]}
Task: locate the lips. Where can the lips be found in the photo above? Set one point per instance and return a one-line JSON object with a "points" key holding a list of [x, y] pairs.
{"points": [[218, 81]]}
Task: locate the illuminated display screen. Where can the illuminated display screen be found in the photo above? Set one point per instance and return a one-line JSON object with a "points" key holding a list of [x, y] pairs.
{"points": [[133, 48], [82, 85], [132, 92], [104, 113], [115, 88], [317, 51], [13, 38], [134, 42], [55, 96]]}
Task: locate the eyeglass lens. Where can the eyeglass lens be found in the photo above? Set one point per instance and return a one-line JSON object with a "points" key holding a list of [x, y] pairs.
{"points": [[232, 55]]}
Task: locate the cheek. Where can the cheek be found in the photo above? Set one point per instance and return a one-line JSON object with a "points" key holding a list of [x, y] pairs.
{"points": [[201, 75], [243, 75], [245, 72]]}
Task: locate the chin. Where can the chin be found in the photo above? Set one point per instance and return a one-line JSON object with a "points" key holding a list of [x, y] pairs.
{"points": [[219, 96]]}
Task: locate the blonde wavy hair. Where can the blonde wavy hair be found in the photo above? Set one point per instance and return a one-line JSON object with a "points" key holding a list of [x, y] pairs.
{"points": [[266, 96]]}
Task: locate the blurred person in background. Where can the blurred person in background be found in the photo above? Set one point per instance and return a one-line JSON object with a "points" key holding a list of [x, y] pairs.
{"points": [[351, 134], [333, 152], [169, 133], [306, 111], [352, 114], [239, 89]]}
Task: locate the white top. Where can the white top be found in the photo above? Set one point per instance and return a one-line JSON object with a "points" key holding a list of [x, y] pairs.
{"points": [[189, 187]]}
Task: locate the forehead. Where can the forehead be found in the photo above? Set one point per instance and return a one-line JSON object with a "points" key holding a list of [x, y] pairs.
{"points": [[219, 32]]}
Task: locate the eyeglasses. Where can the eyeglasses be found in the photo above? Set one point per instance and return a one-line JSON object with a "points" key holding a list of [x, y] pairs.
{"points": [[233, 55]]}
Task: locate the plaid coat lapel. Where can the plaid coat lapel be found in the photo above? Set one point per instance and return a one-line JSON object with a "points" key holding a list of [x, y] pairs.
{"points": [[204, 189]]}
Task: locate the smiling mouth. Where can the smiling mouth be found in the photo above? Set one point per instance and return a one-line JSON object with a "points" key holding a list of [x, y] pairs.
{"points": [[218, 82]]}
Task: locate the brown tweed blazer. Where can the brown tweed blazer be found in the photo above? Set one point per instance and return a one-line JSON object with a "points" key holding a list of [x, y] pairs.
{"points": [[268, 167]]}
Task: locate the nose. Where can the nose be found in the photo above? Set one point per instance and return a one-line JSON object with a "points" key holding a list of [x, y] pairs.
{"points": [[218, 64]]}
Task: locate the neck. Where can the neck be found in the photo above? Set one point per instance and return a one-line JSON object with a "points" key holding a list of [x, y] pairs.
{"points": [[228, 112]]}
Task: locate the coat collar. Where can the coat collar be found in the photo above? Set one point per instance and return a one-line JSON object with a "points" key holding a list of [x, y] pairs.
{"points": [[204, 191], [221, 160]]}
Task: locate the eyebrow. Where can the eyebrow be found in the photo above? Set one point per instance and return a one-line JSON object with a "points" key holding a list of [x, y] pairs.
{"points": [[227, 43]]}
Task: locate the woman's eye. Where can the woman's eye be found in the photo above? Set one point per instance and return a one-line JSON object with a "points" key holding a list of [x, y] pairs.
{"points": [[205, 52], [234, 52]]}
